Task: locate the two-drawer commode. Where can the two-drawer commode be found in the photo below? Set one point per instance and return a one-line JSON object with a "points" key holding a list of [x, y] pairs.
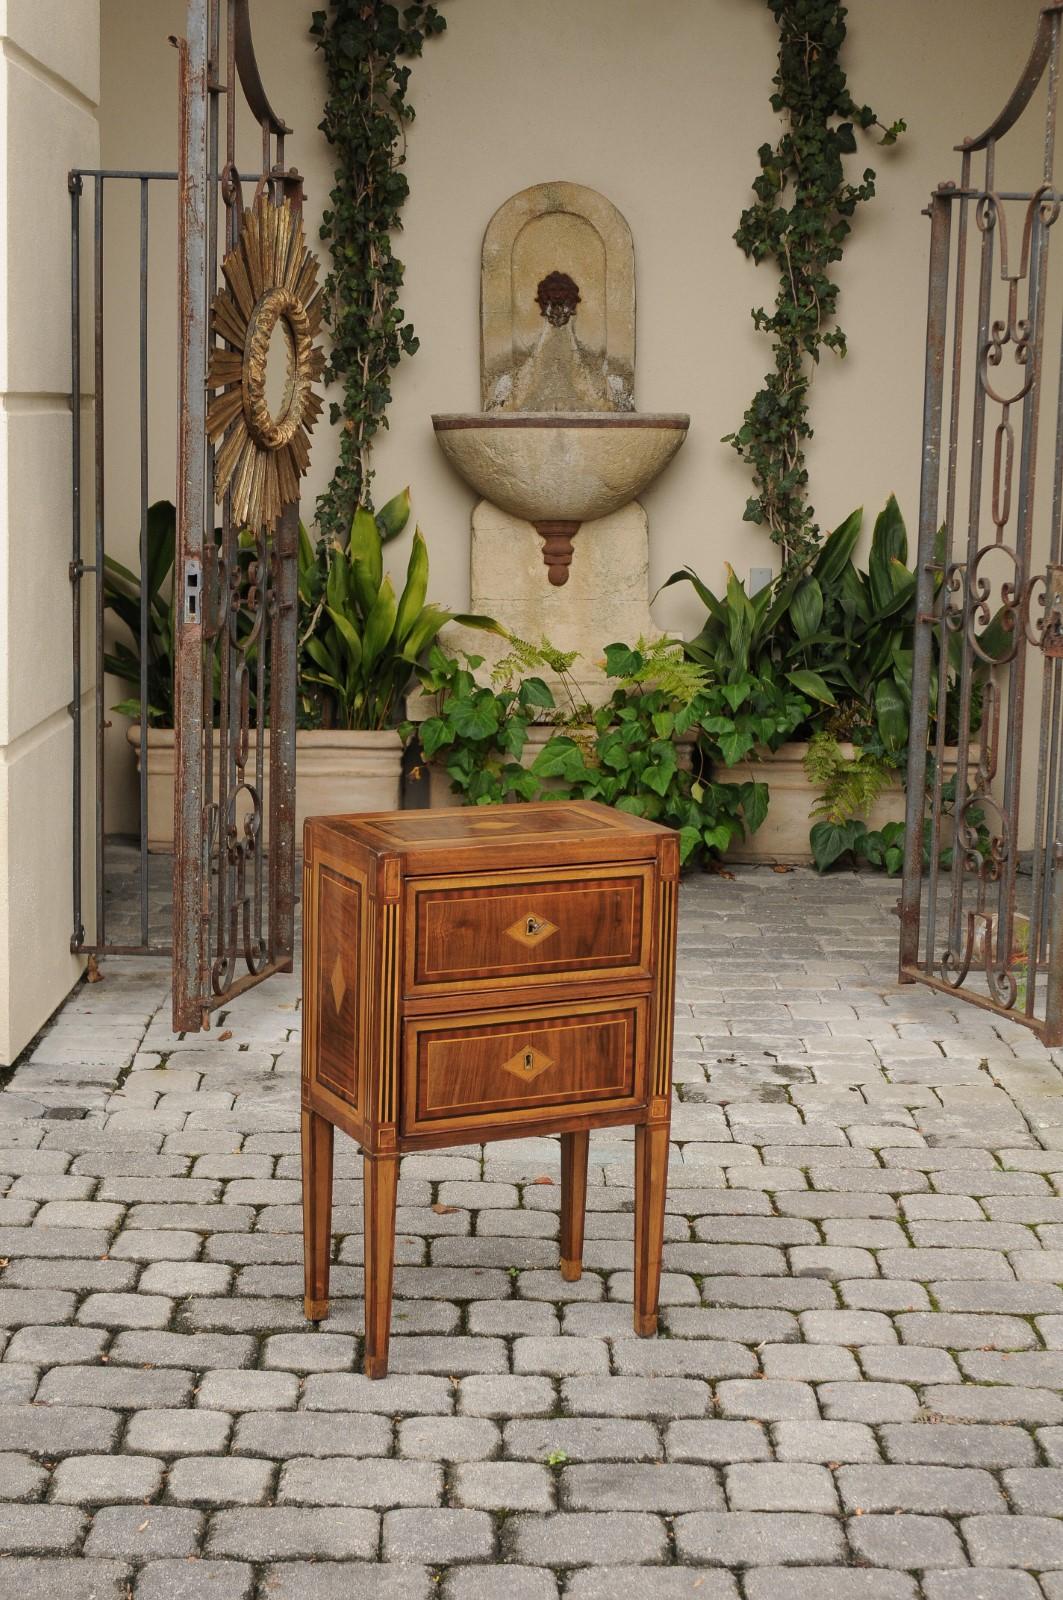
{"points": [[483, 973]]}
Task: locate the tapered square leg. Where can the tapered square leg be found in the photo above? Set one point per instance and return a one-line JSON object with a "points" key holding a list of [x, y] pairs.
{"points": [[381, 1186], [651, 1183], [317, 1141], [574, 1148]]}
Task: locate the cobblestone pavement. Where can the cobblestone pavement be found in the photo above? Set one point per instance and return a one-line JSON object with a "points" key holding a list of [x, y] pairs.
{"points": [[857, 1391]]}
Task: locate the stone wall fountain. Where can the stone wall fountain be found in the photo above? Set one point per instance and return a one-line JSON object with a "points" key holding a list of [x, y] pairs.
{"points": [[559, 449]]}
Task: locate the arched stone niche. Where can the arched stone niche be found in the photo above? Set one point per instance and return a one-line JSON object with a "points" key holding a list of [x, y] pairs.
{"points": [[569, 229]]}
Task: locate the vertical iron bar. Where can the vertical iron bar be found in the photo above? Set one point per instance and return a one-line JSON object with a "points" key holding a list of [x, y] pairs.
{"points": [[145, 562], [1046, 836], [1051, 686], [189, 847], [98, 557], [974, 518], [283, 704], [75, 186], [941, 706], [220, 866], [940, 237], [1012, 793]]}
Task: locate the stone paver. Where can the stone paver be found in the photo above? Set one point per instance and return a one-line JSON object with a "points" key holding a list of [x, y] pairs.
{"points": [[857, 1397]]}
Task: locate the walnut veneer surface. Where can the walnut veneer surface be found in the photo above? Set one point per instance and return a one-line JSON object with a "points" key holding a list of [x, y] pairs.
{"points": [[483, 973]]}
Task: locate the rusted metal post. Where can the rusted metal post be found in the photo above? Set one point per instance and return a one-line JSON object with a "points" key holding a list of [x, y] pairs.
{"points": [[99, 550], [283, 665], [75, 186], [922, 662], [191, 887]]}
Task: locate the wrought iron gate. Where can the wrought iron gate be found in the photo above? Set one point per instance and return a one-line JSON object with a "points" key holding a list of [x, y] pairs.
{"points": [[982, 906], [234, 612], [236, 594]]}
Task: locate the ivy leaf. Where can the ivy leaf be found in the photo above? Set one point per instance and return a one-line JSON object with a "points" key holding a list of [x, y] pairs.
{"points": [[534, 692], [733, 746], [736, 694], [621, 661], [755, 799], [434, 734], [718, 837], [831, 840], [689, 840], [474, 719]]}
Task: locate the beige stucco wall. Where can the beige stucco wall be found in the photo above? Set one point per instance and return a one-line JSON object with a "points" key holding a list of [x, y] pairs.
{"points": [[660, 105], [49, 89]]}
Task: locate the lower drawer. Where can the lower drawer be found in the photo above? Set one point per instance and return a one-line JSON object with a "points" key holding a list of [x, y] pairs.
{"points": [[508, 1066]]}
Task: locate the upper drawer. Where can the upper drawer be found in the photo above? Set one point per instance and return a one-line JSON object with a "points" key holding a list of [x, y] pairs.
{"points": [[489, 929]]}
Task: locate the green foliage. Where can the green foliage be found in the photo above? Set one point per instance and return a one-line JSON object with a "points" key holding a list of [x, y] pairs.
{"points": [[883, 847], [837, 837], [799, 221], [739, 646], [848, 785], [359, 640], [366, 116], [478, 733], [840, 636], [628, 753], [121, 595]]}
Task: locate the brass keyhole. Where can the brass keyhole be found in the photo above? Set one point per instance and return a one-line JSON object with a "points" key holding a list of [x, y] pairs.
{"points": [[532, 925], [529, 1060]]}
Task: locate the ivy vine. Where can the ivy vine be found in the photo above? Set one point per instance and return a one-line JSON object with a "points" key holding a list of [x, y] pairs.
{"points": [[800, 221], [364, 44]]}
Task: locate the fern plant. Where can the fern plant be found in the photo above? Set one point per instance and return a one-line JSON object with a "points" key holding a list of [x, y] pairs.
{"points": [[624, 753], [848, 785]]}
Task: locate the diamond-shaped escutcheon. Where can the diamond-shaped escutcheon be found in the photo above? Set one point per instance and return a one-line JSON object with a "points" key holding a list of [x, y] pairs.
{"points": [[527, 1063], [338, 984], [531, 929]]}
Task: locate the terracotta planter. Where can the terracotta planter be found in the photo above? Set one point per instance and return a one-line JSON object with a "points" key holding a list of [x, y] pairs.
{"points": [[783, 835], [336, 772]]}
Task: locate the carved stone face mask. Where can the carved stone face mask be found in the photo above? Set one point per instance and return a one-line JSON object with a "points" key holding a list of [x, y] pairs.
{"points": [[557, 297]]}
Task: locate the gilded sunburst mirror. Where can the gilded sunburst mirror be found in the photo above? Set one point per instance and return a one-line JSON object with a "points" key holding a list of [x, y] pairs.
{"points": [[268, 314]]}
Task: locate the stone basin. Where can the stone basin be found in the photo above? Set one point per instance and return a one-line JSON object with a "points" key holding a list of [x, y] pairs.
{"points": [[557, 469]]}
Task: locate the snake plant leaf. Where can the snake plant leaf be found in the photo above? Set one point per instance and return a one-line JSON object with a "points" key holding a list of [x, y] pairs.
{"points": [[997, 638], [424, 631], [162, 542], [365, 545], [891, 713], [806, 609], [714, 606], [811, 683], [319, 652], [307, 568], [356, 650], [887, 575], [469, 619], [340, 583], [852, 595], [890, 537], [393, 517], [380, 624], [837, 549], [412, 600]]}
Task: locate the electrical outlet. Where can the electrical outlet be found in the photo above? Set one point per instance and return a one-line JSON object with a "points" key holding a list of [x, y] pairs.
{"points": [[759, 578]]}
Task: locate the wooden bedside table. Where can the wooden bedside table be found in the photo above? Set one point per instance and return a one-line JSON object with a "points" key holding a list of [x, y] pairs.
{"points": [[487, 972]]}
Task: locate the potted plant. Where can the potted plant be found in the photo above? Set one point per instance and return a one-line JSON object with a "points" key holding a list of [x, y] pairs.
{"points": [[843, 636], [646, 751], [358, 645]]}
